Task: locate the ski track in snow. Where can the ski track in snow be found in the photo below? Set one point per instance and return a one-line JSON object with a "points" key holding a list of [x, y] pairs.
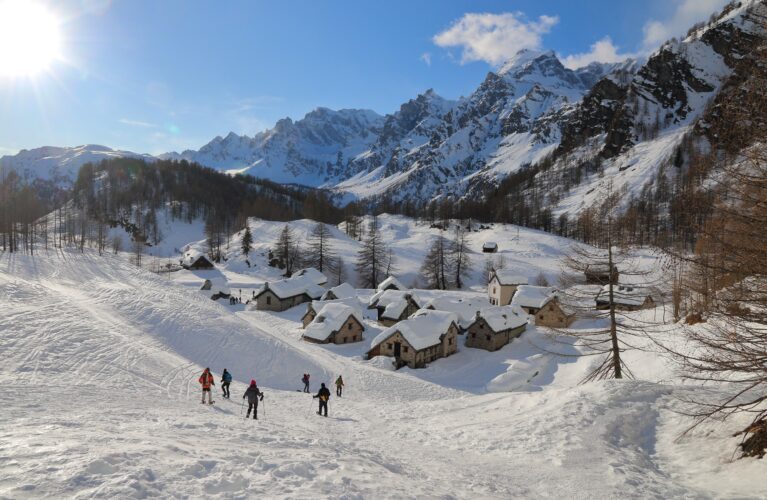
{"points": [[101, 400]]}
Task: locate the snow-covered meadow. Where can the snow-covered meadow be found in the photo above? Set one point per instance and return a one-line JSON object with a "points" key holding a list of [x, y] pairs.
{"points": [[101, 359]]}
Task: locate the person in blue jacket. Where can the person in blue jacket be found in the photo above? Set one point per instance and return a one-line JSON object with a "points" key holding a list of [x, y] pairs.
{"points": [[226, 379]]}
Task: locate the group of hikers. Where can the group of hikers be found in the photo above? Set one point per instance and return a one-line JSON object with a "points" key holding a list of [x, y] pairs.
{"points": [[234, 300], [254, 394]]}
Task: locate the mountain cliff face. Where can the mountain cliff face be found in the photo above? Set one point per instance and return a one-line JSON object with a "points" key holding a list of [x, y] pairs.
{"points": [[604, 122]]}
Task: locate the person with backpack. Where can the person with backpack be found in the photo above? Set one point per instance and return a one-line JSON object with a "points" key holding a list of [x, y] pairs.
{"points": [[206, 380], [305, 380], [226, 379], [339, 386], [323, 395], [254, 396]]}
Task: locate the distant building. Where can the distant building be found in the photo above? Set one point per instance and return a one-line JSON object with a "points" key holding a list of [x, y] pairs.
{"points": [[312, 274], [544, 304], [391, 283], [494, 327], [490, 247], [194, 259], [342, 291], [284, 294], [600, 274], [394, 305], [335, 323], [625, 297], [416, 341], [501, 286]]}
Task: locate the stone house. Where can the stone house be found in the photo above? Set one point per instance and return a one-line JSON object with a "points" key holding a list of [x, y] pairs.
{"points": [[314, 307], [342, 291], [312, 275], [284, 294], [394, 305], [544, 304], [501, 285], [335, 323], [494, 327], [418, 340]]}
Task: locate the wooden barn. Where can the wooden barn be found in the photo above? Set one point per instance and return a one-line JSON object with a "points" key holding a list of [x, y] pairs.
{"points": [[625, 297], [194, 260]]}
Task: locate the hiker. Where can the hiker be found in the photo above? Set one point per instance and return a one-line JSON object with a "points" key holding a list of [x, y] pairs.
{"points": [[226, 379], [323, 395], [206, 381], [253, 395], [339, 386], [305, 380]]}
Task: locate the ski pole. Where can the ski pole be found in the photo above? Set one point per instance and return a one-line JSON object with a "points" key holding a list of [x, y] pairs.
{"points": [[241, 405]]}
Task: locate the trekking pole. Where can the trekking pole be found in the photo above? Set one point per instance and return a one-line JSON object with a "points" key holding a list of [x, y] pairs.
{"points": [[241, 405], [264, 408]]}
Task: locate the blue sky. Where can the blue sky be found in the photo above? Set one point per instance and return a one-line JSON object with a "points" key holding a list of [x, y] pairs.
{"points": [[153, 76]]}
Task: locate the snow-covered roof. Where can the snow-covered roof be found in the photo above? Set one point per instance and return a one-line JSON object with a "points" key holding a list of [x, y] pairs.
{"points": [[391, 282], [292, 287], [532, 296], [312, 274], [219, 285], [507, 277], [386, 297], [501, 318], [342, 291], [421, 330], [330, 319], [465, 309], [352, 302], [191, 256], [490, 245], [624, 294]]}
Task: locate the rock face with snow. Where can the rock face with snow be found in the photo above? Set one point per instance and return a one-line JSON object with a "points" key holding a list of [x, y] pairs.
{"points": [[60, 164]]}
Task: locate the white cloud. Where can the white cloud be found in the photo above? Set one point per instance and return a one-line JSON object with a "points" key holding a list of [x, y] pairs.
{"points": [[602, 51], [494, 38], [137, 123], [426, 57], [687, 13]]}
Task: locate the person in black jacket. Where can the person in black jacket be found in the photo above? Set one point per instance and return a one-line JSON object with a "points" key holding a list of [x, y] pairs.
{"points": [[254, 396], [323, 395]]}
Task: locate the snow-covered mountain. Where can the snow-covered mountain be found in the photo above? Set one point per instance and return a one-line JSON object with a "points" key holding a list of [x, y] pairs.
{"points": [[623, 121], [61, 164]]}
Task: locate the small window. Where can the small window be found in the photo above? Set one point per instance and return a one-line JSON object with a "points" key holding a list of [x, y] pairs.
{"points": [[540, 316], [449, 341], [487, 337], [482, 326], [404, 349], [268, 300], [350, 325], [551, 308], [474, 335], [388, 346], [354, 338], [493, 289]]}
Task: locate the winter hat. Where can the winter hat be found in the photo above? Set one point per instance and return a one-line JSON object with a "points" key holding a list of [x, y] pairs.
{"points": [[323, 385], [252, 382]]}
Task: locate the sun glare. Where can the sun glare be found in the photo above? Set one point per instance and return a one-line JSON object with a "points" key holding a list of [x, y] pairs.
{"points": [[30, 38]]}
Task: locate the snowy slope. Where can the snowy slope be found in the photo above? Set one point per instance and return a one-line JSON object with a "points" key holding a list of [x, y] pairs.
{"points": [[101, 400]]}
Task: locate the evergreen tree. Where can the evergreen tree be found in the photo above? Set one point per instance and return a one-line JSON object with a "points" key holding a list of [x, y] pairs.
{"points": [[247, 242]]}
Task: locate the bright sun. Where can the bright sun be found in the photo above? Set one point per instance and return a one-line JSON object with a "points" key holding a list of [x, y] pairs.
{"points": [[30, 38]]}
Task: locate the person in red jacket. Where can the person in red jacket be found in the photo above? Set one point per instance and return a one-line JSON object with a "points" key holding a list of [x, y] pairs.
{"points": [[206, 381]]}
